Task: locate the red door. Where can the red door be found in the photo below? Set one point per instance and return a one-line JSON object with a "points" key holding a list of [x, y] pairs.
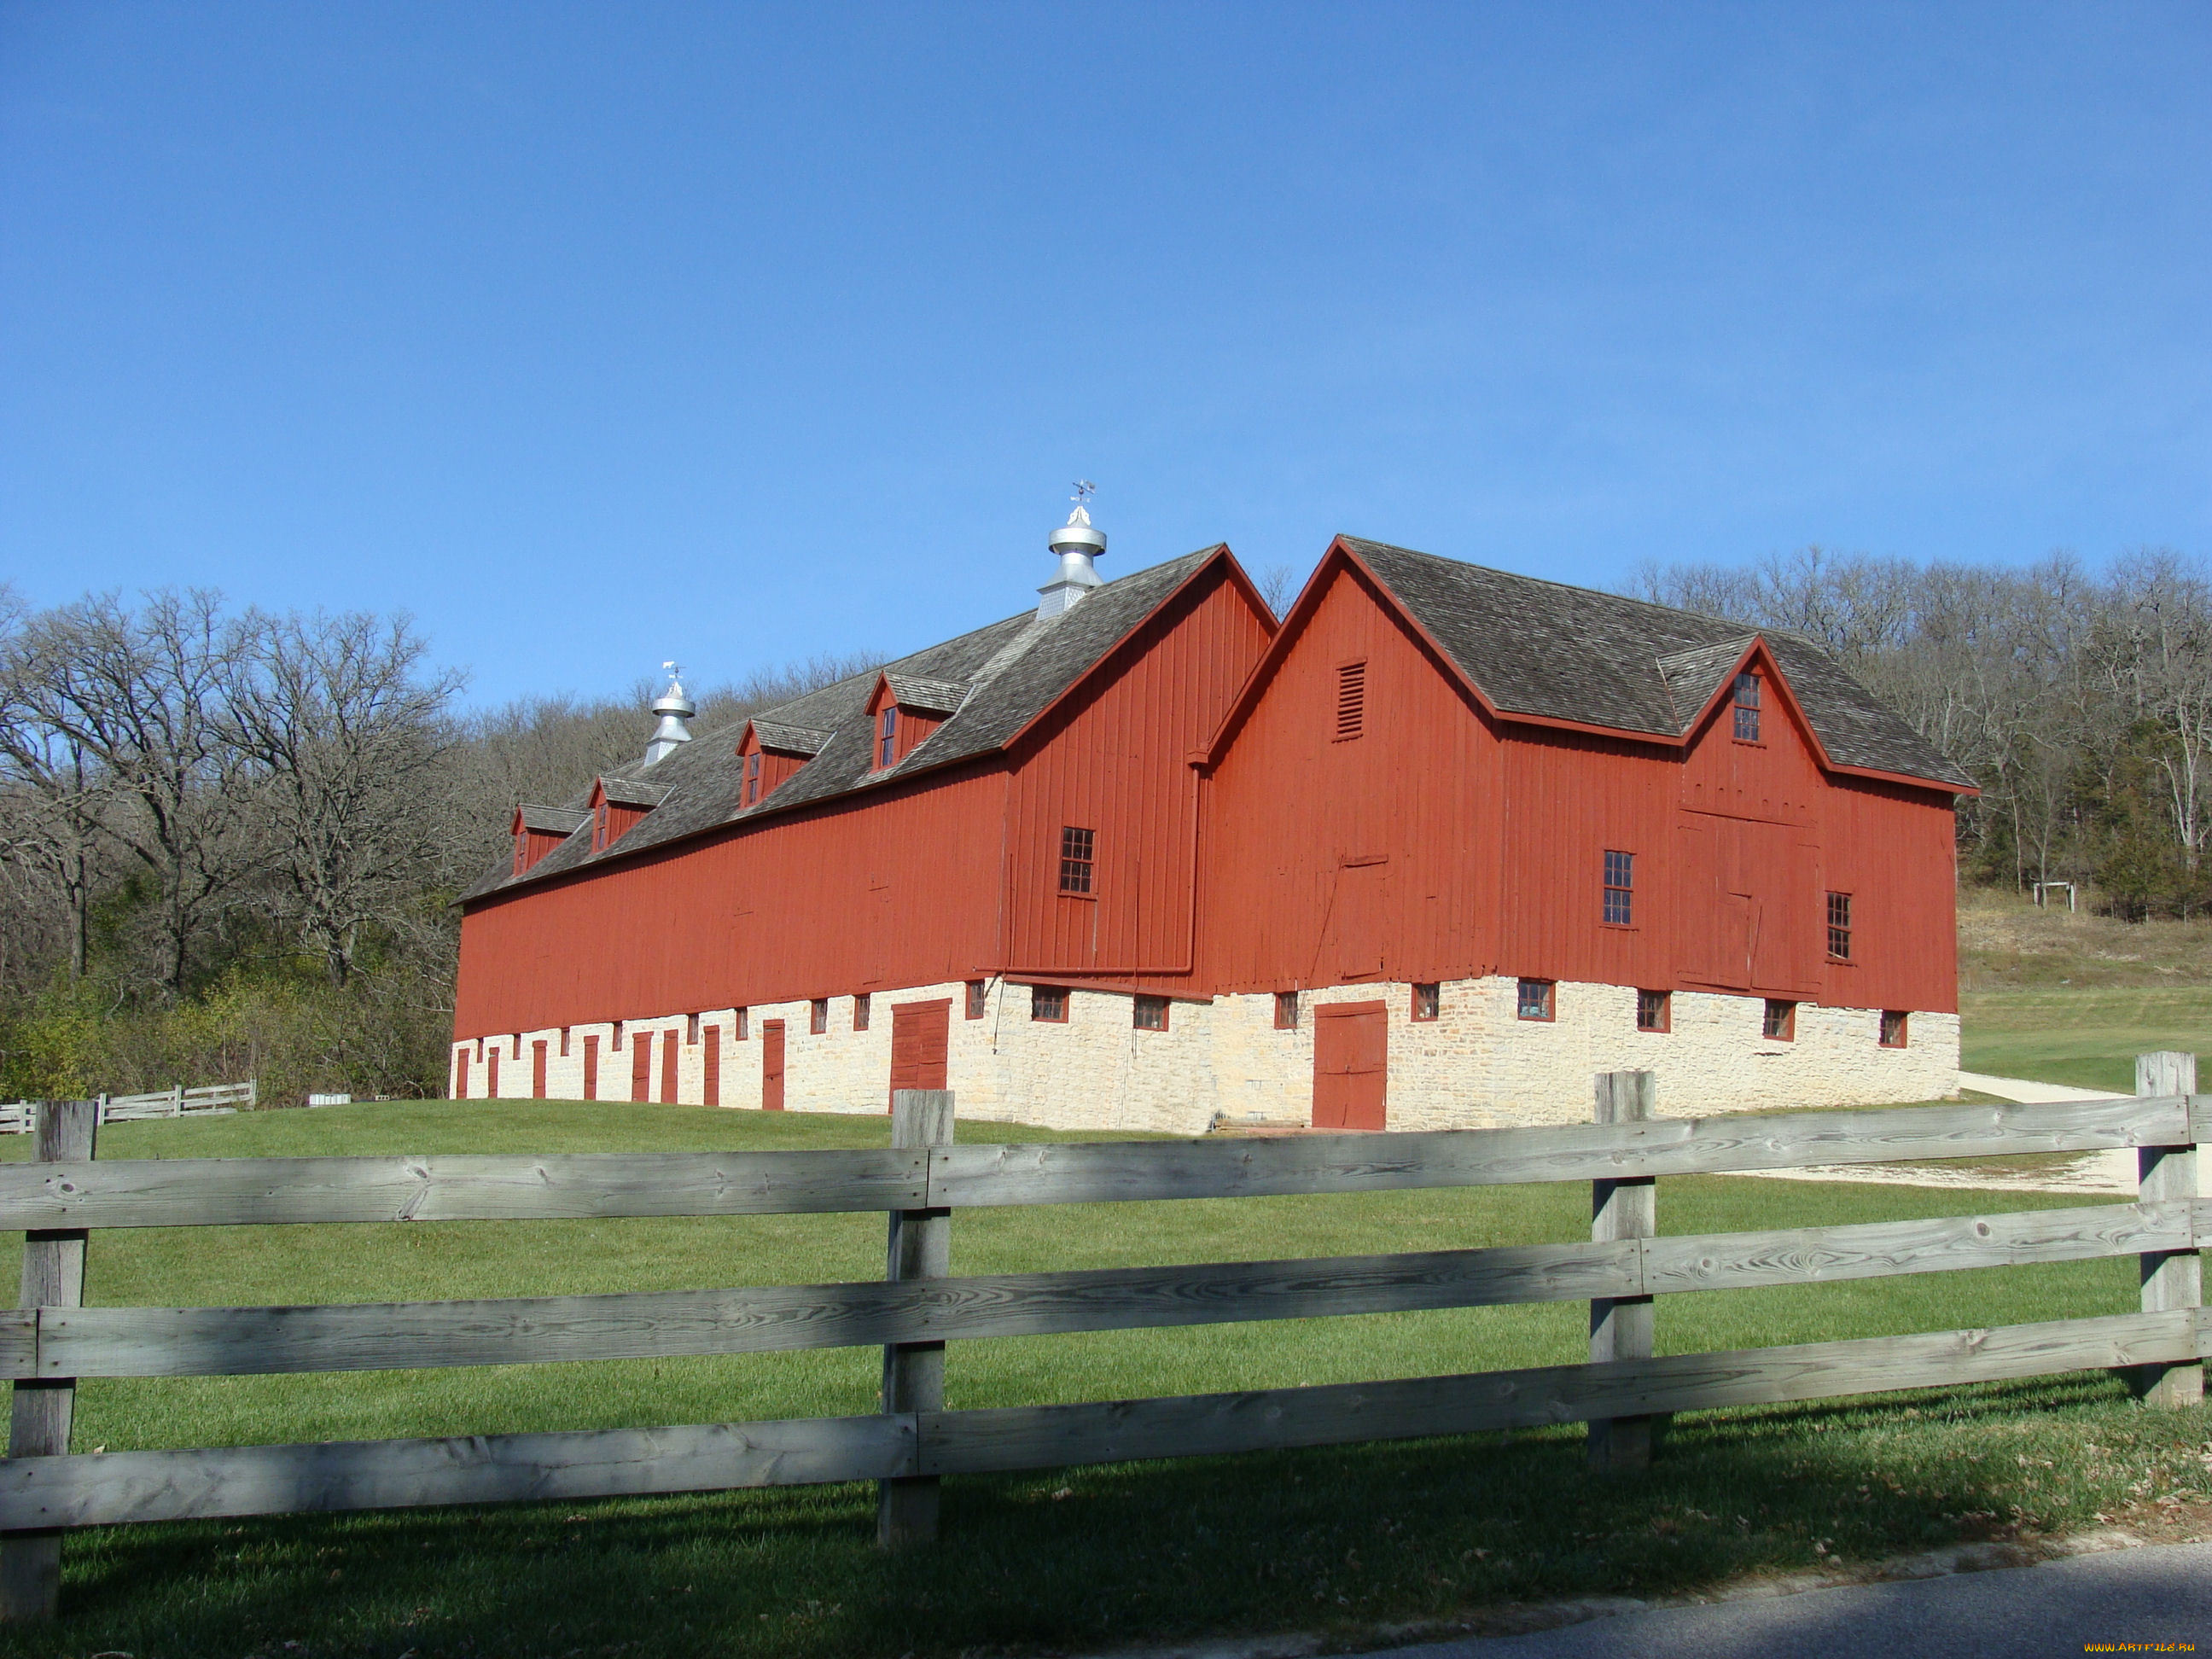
{"points": [[712, 1037], [640, 1066], [491, 1073], [1352, 1050], [920, 1034], [771, 1065], [591, 1068], [668, 1070], [460, 1074], [538, 1071]]}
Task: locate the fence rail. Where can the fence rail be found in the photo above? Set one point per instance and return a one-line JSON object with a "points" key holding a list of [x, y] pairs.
{"points": [[922, 1181], [20, 1117]]}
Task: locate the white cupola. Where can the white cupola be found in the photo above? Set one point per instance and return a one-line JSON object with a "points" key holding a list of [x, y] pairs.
{"points": [[674, 708], [1077, 543]]}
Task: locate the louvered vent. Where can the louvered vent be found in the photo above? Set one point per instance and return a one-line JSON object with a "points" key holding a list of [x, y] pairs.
{"points": [[1351, 700]]}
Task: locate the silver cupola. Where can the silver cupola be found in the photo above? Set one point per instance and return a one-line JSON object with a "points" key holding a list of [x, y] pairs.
{"points": [[1077, 544], [674, 708]]}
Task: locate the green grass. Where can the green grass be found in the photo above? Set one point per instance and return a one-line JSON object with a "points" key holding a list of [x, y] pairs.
{"points": [[2084, 1036], [1092, 1558]]}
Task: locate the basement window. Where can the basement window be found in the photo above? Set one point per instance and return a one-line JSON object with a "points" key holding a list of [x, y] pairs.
{"points": [[564, 1042], [975, 1002], [1287, 1010], [616, 1043], [818, 1016], [690, 1030], [1895, 1025], [1535, 998], [1351, 700], [1654, 1011], [1747, 708], [1049, 1003], [742, 1019], [1620, 889], [861, 1012], [1780, 1024], [1149, 1013], [1428, 997], [1078, 860], [1839, 926]]}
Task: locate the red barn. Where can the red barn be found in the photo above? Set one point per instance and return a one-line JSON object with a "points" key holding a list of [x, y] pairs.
{"points": [[1444, 845]]}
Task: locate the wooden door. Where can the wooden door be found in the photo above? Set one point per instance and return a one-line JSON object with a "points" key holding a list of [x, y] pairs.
{"points": [[538, 1071], [771, 1065], [491, 1073], [1352, 1051], [592, 1067], [712, 1037], [461, 1074], [668, 1069], [640, 1066], [921, 1033]]}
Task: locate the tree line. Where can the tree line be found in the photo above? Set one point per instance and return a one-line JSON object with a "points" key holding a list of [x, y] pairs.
{"points": [[230, 839]]}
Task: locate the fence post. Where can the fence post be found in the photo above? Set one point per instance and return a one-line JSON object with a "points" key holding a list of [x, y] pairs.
{"points": [[921, 1247], [2171, 1278], [39, 1425], [1621, 1327]]}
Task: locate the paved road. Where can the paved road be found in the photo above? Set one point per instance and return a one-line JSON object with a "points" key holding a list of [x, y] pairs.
{"points": [[2160, 1594]]}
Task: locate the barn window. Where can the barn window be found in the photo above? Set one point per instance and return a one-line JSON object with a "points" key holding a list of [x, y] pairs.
{"points": [[1351, 700], [616, 1043], [691, 1030], [1839, 926], [564, 1042], [1894, 1028], [1428, 997], [1780, 1024], [1077, 861], [860, 1012], [975, 1003], [1287, 1010], [752, 777], [818, 1016], [742, 1019], [1149, 1013], [1048, 1003], [1747, 708], [1654, 1011], [886, 738], [1533, 1000], [1619, 887]]}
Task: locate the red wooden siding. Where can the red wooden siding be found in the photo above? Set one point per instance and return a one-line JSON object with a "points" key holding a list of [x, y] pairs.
{"points": [[1352, 1065], [1116, 762], [920, 1034], [531, 845]]}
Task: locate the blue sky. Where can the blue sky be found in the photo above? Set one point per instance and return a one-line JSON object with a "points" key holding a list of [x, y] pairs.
{"points": [[594, 335]]}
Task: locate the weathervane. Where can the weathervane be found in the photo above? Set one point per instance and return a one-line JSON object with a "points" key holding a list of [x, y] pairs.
{"points": [[1085, 489]]}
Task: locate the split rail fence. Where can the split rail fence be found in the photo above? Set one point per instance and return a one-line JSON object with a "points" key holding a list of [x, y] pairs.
{"points": [[20, 1117], [922, 1180]]}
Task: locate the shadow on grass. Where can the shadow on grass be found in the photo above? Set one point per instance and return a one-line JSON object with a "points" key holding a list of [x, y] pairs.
{"points": [[1340, 1540]]}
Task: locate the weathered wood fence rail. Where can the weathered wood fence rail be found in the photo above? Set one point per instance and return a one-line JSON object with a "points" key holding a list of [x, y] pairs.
{"points": [[922, 1181]]}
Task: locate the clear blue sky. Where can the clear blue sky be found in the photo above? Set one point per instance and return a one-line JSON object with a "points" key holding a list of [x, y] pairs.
{"points": [[594, 335]]}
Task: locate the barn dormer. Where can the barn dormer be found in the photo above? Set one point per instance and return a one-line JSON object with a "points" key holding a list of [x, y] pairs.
{"points": [[769, 752], [903, 712], [617, 805], [539, 829]]}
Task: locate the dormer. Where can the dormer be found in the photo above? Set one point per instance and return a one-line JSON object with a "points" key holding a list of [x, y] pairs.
{"points": [[539, 829], [618, 804], [902, 711], [767, 753]]}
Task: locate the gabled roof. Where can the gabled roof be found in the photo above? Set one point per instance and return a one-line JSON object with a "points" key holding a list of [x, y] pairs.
{"points": [[549, 820], [790, 740], [1010, 673], [926, 695], [1544, 652]]}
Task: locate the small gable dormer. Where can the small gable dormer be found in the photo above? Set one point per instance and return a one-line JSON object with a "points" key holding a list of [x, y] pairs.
{"points": [[538, 829], [903, 712], [769, 753], [617, 805]]}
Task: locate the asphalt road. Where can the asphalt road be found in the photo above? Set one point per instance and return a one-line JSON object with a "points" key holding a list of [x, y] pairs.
{"points": [[2161, 1595]]}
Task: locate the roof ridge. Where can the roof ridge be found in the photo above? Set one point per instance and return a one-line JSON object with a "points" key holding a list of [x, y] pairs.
{"points": [[1548, 581]]}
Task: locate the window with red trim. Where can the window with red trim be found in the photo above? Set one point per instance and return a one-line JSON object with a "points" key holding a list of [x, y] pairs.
{"points": [[1287, 1010], [1049, 1003], [1533, 999], [1780, 1022], [976, 1004], [1654, 1011], [1078, 860], [886, 736], [818, 1016], [1620, 889], [1428, 998], [1895, 1028], [1747, 708], [1149, 1013]]}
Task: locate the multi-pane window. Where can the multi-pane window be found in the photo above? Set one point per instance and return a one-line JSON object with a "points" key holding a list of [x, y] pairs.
{"points": [[861, 1012], [752, 777], [1839, 926], [1427, 998], [976, 1006], [1149, 1013], [1351, 700], [818, 1016], [1747, 708], [1893, 1028], [1654, 1011], [1077, 862], [1048, 1002], [1287, 1010], [1533, 1000], [1780, 1023], [886, 736], [1619, 887]]}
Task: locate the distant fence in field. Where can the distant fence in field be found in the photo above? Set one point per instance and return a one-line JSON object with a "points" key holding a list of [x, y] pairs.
{"points": [[922, 1179], [20, 1117]]}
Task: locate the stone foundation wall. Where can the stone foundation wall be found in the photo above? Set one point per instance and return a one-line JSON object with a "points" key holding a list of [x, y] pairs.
{"points": [[1477, 1064]]}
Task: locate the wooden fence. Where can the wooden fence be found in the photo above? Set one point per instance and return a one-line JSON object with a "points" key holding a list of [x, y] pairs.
{"points": [[922, 1180], [20, 1117]]}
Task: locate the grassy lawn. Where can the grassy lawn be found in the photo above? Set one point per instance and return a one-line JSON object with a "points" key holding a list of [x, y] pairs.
{"points": [[2085, 1036], [1090, 1559]]}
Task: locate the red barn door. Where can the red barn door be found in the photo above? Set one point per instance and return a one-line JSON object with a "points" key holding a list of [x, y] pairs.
{"points": [[1352, 1050], [668, 1070], [538, 1071], [712, 1037], [921, 1033], [640, 1066], [771, 1065], [460, 1074], [591, 1068], [491, 1073]]}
